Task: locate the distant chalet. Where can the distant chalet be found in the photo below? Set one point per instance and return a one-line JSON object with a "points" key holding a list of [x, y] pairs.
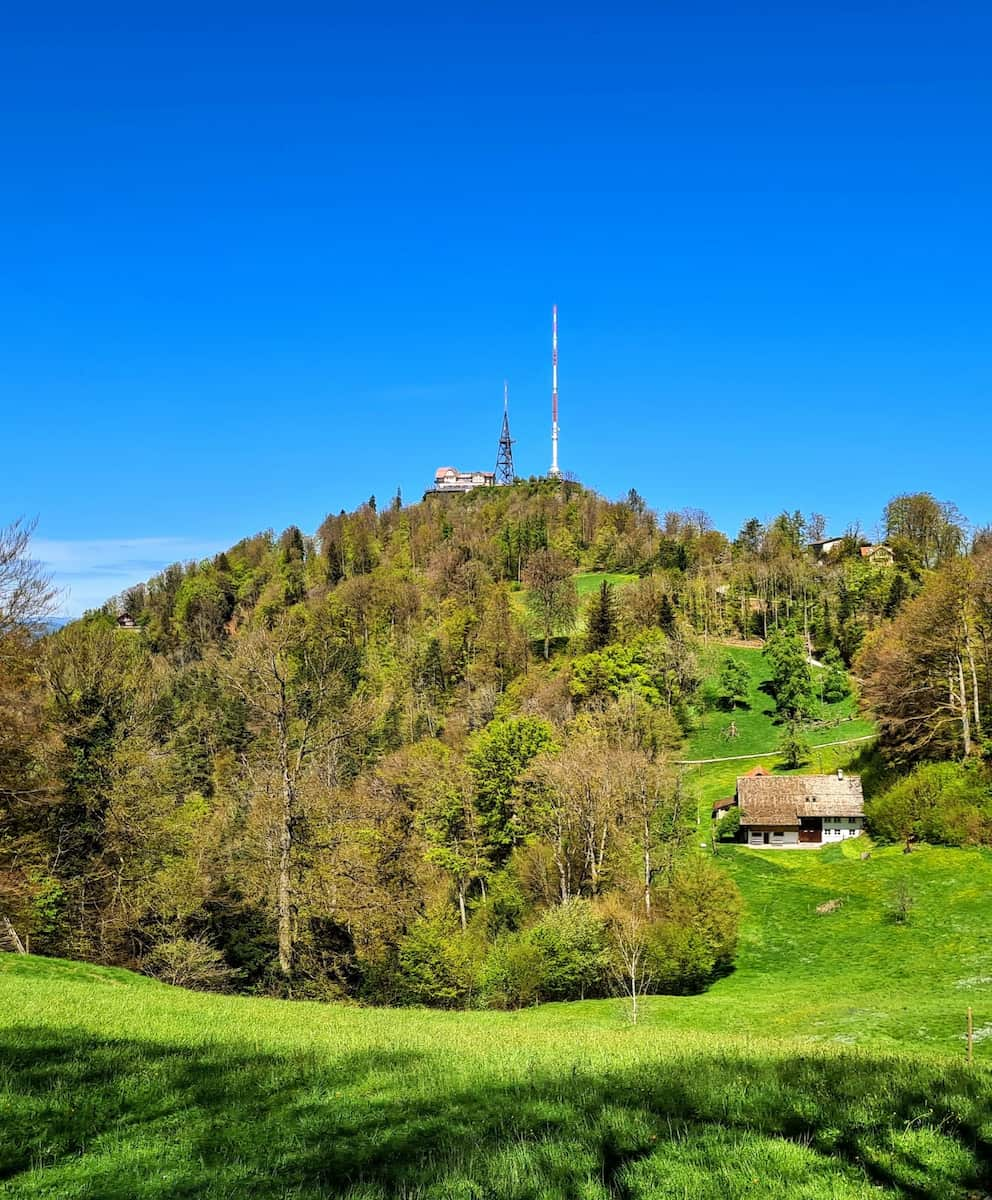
{"points": [[878, 556], [448, 479], [798, 811]]}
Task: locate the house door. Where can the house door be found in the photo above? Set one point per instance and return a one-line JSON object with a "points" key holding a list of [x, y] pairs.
{"points": [[767, 837]]}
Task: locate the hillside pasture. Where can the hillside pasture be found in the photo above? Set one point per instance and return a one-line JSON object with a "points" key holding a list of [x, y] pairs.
{"points": [[756, 730], [588, 582], [113, 1086]]}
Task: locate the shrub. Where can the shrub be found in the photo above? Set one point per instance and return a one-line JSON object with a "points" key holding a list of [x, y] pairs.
{"points": [[434, 964], [729, 825], [948, 804], [733, 684], [190, 963], [512, 975], [572, 942], [693, 938], [836, 685], [562, 957]]}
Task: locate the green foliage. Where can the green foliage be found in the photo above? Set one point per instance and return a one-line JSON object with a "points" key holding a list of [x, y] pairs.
{"points": [[836, 686], [794, 746], [729, 825], [791, 683], [601, 619], [652, 667], [571, 941], [733, 684], [503, 907], [693, 938], [561, 957], [497, 758], [512, 975], [434, 964], [947, 804]]}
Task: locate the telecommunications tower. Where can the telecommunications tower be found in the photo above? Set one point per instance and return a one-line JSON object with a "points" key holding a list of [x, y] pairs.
{"points": [[504, 457], [554, 473]]}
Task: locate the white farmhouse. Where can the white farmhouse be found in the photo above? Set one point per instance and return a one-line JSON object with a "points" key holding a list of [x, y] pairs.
{"points": [[800, 811]]}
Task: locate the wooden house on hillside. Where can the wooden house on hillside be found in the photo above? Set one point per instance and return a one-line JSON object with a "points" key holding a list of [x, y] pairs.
{"points": [[800, 810], [878, 556], [722, 807]]}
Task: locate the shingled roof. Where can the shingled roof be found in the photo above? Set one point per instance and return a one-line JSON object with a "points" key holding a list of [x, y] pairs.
{"points": [[783, 799]]}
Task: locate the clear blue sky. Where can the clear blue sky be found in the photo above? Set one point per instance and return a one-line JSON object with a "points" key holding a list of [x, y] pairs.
{"points": [[263, 261]]}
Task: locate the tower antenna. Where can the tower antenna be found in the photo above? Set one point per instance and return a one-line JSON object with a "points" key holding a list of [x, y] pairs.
{"points": [[554, 473], [504, 457]]}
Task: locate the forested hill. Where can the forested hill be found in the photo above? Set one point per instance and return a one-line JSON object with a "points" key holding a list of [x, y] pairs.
{"points": [[429, 754]]}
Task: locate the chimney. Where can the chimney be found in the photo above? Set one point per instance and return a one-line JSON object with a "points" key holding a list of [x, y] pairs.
{"points": [[840, 772]]}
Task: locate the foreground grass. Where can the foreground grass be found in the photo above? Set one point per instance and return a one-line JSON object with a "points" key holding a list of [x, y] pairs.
{"points": [[114, 1086], [828, 1066]]}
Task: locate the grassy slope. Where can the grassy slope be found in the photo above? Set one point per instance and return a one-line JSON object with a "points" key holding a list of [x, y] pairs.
{"points": [[114, 1086], [590, 581], [757, 730]]}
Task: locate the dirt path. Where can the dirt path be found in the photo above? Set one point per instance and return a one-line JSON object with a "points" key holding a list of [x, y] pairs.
{"points": [[698, 762]]}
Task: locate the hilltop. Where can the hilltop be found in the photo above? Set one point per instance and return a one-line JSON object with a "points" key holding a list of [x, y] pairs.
{"points": [[462, 754]]}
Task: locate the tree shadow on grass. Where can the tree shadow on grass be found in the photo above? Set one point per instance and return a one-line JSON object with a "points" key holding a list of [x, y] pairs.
{"points": [[131, 1118]]}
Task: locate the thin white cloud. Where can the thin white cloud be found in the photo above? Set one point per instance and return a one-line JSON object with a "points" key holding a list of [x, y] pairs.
{"points": [[88, 572]]}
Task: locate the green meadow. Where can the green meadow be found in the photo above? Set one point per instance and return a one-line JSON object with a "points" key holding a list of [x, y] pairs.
{"points": [[587, 582], [829, 1064], [752, 729]]}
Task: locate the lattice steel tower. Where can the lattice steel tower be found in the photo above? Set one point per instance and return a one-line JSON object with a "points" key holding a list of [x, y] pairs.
{"points": [[504, 457]]}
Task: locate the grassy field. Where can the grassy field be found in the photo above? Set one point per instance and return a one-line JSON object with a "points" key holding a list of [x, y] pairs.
{"points": [[591, 581], [756, 730], [828, 1066], [114, 1086], [586, 584]]}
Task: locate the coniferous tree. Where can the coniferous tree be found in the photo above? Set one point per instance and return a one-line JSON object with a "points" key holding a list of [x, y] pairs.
{"points": [[601, 626], [791, 681]]}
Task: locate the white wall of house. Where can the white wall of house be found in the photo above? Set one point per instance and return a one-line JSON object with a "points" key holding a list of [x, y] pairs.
{"points": [[788, 837], [835, 829]]}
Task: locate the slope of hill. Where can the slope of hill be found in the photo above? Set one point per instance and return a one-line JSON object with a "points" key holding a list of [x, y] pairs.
{"points": [[115, 1086], [753, 729]]}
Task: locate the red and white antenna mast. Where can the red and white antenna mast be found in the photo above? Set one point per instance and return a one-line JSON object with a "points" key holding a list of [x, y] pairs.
{"points": [[554, 473]]}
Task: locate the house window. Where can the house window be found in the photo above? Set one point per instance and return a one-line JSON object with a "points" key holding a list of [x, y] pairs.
{"points": [[778, 835]]}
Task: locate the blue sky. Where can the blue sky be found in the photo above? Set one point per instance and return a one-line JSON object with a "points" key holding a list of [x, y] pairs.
{"points": [[258, 265]]}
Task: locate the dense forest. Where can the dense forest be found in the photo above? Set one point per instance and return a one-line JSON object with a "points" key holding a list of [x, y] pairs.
{"points": [[404, 760]]}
